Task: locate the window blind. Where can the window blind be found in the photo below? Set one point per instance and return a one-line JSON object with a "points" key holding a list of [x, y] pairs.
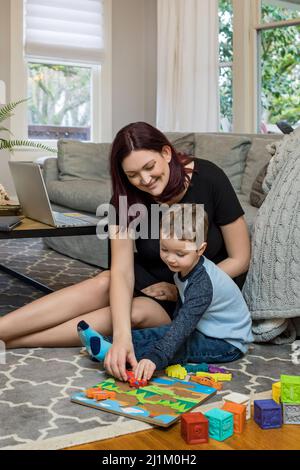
{"points": [[68, 30]]}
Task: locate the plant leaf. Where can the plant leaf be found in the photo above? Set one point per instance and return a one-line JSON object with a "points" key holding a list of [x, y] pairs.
{"points": [[4, 129], [10, 144], [5, 111]]}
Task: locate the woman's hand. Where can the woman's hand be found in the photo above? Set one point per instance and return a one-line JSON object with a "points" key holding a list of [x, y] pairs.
{"points": [[144, 369], [162, 291], [115, 360]]}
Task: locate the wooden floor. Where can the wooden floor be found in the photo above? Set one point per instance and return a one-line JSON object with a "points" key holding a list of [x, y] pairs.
{"points": [[253, 438]]}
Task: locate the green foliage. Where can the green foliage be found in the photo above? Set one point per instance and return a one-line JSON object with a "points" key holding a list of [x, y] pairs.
{"points": [[280, 65], [280, 70], [60, 95], [8, 144]]}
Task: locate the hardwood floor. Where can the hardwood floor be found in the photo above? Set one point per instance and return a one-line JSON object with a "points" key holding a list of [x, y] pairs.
{"points": [[253, 438]]}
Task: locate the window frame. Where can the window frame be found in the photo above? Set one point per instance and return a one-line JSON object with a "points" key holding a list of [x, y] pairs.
{"points": [[263, 26], [101, 119], [95, 78]]}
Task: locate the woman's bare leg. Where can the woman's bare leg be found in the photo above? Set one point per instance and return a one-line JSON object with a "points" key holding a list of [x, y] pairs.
{"points": [[57, 308], [146, 313]]}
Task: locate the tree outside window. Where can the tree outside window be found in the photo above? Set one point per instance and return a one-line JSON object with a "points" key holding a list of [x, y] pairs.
{"points": [[280, 68], [60, 101], [226, 62]]}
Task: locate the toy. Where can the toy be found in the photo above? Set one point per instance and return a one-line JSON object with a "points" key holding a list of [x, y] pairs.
{"points": [[176, 371], [134, 382], [241, 399], [193, 368], [239, 415], [220, 424], [208, 382], [290, 388], [160, 403], [194, 428], [267, 414], [215, 370], [98, 394], [276, 391], [217, 377], [291, 413]]}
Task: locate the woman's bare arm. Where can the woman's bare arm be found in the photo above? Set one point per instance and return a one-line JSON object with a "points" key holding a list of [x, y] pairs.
{"points": [[121, 294], [237, 242]]}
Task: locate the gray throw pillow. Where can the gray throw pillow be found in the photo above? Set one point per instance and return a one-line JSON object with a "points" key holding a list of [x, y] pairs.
{"points": [[182, 142], [82, 160]]}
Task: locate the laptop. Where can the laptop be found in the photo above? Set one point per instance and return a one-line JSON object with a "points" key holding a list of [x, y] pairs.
{"points": [[33, 197]]}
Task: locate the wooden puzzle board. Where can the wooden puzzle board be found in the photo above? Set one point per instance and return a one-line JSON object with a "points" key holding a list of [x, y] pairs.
{"points": [[160, 403]]}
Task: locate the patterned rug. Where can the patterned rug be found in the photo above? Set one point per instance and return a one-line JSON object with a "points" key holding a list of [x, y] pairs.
{"points": [[36, 384]]}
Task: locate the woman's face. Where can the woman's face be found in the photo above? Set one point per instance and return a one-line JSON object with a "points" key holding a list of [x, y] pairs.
{"points": [[148, 170]]}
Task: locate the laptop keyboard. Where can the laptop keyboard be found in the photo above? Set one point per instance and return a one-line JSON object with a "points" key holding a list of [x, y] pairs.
{"points": [[62, 220]]}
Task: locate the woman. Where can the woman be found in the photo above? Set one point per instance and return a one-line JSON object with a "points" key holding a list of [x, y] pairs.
{"points": [[138, 291]]}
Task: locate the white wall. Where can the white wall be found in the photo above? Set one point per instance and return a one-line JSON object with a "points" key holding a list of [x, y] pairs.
{"points": [[5, 177], [133, 62]]}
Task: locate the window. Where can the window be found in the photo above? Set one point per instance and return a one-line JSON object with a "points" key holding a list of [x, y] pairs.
{"points": [[64, 50], [226, 62], [60, 101], [277, 10], [279, 74]]}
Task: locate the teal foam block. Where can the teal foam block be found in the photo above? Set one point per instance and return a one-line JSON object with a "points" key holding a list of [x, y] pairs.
{"points": [[220, 424]]}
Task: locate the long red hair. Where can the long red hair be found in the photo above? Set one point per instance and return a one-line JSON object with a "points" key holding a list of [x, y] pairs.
{"points": [[143, 136]]}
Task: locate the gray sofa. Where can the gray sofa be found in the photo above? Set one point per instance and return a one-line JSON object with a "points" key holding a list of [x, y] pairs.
{"points": [[78, 179]]}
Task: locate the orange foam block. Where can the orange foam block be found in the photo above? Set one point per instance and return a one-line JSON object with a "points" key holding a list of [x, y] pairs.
{"points": [[239, 415]]}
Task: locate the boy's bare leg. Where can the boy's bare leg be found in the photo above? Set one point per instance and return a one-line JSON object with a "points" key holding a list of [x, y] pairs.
{"points": [[146, 313], [57, 308]]}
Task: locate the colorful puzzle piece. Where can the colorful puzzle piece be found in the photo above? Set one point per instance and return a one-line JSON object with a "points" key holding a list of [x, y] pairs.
{"points": [[215, 370], [134, 382], [217, 377], [176, 372], [97, 394], [208, 382], [193, 368]]}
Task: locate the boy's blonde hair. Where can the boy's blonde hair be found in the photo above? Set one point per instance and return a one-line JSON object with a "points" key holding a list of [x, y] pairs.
{"points": [[185, 222]]}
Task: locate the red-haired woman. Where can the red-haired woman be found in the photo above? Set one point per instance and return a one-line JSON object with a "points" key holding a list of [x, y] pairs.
{"points": [[138, 291]]}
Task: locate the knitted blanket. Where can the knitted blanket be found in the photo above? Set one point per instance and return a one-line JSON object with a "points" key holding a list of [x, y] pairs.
{"points": [[272, 287]]}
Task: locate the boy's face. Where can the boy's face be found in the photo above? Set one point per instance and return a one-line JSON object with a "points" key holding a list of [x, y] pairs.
{"points": [[180, 255]]}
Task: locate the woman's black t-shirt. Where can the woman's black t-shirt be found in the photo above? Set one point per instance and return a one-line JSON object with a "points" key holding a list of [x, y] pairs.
{"points": [[211, 187]]}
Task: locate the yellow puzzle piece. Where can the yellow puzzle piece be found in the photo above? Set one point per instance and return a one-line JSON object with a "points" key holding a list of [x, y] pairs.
{"points": [[176, 372], [218, 377]]}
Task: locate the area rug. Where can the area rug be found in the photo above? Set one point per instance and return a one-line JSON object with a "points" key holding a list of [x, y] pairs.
{"points": [[36, 384]]}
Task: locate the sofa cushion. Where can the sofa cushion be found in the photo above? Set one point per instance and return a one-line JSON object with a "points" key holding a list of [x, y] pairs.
{"points": [[228, 151], [183, 142], [257, 157], [85, 195], [82, 160]]}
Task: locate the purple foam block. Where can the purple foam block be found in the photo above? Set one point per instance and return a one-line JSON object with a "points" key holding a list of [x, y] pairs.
{"points": [[267, 414], [215, 370]]}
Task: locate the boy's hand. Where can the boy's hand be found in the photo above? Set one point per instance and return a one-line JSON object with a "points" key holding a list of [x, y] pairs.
{"points": [[144, 369]]}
